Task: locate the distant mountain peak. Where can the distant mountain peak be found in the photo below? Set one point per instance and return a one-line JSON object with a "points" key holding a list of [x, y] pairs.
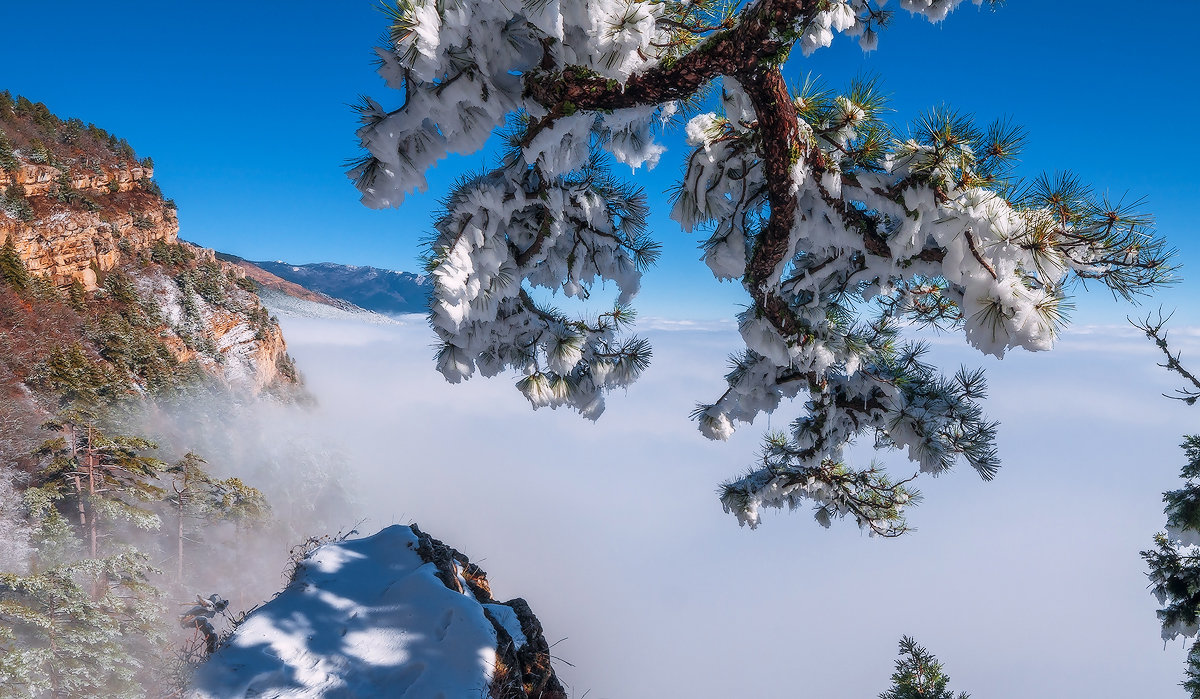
{"points": [[385, 291]]}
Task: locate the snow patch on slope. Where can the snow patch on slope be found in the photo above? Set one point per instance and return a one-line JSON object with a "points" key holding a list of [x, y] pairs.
{"points": [[281, 304], [362, 618]]}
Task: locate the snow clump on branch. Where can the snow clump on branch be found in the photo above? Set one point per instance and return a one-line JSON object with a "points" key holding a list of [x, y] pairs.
{"points": [[842, 229]]}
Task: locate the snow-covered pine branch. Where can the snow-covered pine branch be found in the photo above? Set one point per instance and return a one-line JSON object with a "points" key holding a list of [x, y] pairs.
{"points": [[842, 229]]}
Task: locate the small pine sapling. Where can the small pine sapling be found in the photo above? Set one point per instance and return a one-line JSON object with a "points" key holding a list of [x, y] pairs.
{"points": [[919, 675]]}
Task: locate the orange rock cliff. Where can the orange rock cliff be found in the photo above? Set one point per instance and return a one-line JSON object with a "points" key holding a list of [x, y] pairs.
{"points": [[84, 206]]}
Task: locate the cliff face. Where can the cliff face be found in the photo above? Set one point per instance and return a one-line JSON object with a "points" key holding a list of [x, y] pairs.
{"points": [[74, 200], [215, 319], [89, 227], [40, 180], [67, 243]]}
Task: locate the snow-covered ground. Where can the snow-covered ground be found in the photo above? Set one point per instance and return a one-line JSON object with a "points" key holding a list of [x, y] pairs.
{"points": [[281, 304], [362, 618]]}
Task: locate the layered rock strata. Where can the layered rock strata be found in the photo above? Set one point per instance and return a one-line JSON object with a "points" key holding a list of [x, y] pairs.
{"points": [[69, 243]]}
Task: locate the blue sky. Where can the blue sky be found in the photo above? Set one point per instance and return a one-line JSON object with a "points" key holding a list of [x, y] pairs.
{"points": [[244, 108]]}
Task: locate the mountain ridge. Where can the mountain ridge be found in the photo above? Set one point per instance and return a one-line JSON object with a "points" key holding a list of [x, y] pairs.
{"points": [[385, 291], [274, 282]]}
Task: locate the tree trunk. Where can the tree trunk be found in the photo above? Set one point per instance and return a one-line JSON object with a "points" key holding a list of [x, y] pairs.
{"points": [[93, 525], [69, 431], [83, 519], [182, 495], [91, 471], [51, 671]]}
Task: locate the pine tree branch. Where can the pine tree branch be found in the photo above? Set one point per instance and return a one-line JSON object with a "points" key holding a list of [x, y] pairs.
{"points": [[1154, 331], [779, 146], [764, 36], [978, 257]]}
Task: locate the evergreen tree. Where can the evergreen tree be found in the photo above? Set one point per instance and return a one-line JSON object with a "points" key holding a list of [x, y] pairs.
{"points": [[77, 295], [12, 268], [39, 153], [103, 478], [55, 541], [197, 495], [919, 675], [844, 229], [81, 383], [15, 203], [72, 130], [8, 159], [15, 532], [82, 629], [1174, 562]]}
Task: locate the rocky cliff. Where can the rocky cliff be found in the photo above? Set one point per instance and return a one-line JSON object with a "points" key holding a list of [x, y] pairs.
{"points": [[81, 214], [70, 244], [40, 180], [399, 615], [76, 200], [213, 317]]}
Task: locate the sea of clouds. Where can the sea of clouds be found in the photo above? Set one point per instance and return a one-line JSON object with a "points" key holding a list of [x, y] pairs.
{"points": [[1027, 586]]}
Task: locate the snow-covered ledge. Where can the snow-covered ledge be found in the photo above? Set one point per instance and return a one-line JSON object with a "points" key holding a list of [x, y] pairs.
{"points": [[397, 614]]}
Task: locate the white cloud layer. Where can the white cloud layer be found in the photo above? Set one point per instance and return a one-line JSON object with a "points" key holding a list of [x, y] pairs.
{"points": [[1027, 586]]}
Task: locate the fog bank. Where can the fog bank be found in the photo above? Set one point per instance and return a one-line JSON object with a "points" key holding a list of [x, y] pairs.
{"points": [[1027, 586]]}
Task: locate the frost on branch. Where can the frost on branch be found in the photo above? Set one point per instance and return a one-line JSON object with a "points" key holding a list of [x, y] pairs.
{"points": [[889, 229], [514, 227], [843, 229]]}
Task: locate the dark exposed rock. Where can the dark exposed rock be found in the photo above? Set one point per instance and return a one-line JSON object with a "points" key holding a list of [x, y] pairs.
{"points": [[520, 673]]}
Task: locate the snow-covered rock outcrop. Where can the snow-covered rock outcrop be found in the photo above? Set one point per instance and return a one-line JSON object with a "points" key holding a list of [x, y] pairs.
{"points": [[398, 614]]}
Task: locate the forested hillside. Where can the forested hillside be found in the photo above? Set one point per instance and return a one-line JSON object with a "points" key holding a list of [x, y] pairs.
{"points": [[110, 329]]}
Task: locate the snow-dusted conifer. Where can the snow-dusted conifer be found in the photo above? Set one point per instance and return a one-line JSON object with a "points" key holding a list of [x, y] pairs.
{"points": [[196, 495], [105, 478], [1174, 562], [842, 228], [15, 532], [78, 629]]}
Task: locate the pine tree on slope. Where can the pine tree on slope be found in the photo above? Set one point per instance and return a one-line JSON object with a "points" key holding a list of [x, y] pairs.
{"points": [[12, 269], [62, 636], [104, 478], [198, 495]]}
